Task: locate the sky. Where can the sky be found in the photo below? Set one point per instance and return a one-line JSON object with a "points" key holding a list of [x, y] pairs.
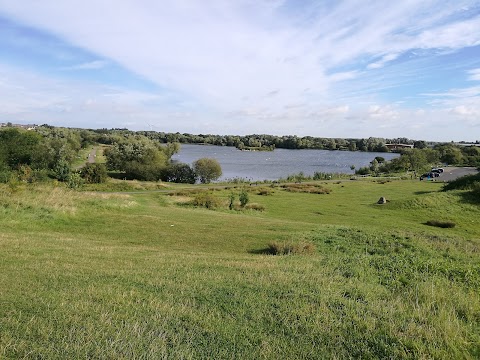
{"points": [[344, 69]]}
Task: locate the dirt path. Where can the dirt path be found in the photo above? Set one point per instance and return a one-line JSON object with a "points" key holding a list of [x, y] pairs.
{"points": [[92, 156]]}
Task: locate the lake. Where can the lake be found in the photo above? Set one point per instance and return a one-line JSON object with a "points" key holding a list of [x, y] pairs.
{"points": [[273, 165]]}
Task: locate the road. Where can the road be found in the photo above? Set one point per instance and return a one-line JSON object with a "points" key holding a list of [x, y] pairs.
{"points": [[451, 173]]}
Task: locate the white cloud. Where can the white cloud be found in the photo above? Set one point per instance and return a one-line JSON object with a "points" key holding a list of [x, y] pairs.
{"points": [[468, 111], [92, 65], [342, 76], [249, 58], [381, 63], [474, 74]]}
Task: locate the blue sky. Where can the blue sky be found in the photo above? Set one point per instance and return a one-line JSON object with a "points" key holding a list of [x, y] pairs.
{"points": [[321, 68]]}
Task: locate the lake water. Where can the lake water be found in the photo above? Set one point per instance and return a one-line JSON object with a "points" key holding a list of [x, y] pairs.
{"points": [[273, 165]]}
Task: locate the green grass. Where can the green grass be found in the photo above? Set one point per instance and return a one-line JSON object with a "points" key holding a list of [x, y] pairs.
{"points": [[96, 275]]}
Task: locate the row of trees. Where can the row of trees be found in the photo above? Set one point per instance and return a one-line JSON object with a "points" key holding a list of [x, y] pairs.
{"points": [[269, 142]]}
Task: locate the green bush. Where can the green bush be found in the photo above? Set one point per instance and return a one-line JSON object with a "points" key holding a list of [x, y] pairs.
{"points": [[244, 198], [61, 171], [75, 181], [231, 199], [179, 173], [94, 173]]}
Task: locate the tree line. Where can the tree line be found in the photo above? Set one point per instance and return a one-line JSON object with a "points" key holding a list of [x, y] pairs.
{"points": [[49, 152], [267, 142]]}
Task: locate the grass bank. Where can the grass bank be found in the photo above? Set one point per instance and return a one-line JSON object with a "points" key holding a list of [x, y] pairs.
{"points": [[148, 275]]}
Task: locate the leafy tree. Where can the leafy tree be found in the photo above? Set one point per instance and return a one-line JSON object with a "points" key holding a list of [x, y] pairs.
{"points": [[416, 159], [18, 147], [207, 170], [450, 154], [420, 144], [139, 157]]}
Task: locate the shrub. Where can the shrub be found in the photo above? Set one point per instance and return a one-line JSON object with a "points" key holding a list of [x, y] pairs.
{"points": [[243, 197], [179, 173], [265, 191], [232, 200], [206, 200], [94, 173], [441, 224], [25, 173], [61, 170], [363, 171], [290, 248], [74, 181]]}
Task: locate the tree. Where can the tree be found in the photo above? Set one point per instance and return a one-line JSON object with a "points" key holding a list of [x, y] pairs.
{"points": [[451, 155], [139, 157], [207, 170], [18, 147], [416, 159]]}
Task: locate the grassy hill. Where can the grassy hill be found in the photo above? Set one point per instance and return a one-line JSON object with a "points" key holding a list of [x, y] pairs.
{"points": [[148, 275]]}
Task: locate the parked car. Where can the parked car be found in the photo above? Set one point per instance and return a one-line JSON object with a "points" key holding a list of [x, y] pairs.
{"points": [[430, 175], [437, 170]]}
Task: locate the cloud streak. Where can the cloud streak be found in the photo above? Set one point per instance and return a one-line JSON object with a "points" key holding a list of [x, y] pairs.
{"points": [[260, 59]]}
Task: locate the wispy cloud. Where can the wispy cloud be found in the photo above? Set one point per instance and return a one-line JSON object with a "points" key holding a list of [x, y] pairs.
{"points": [[91, 65], [474, 74], [381, 63], [256, 59]]}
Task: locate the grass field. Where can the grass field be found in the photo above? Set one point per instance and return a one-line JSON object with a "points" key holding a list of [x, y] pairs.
{"points": [[147, 275]]}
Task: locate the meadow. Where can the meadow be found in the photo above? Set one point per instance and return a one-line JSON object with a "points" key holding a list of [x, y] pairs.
{"points": [[148, 275]]}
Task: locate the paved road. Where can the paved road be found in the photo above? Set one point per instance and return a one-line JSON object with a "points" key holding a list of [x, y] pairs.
{"points": [[451, 173]]}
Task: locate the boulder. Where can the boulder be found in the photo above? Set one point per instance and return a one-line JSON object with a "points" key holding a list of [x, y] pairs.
{"points": [[382, 200]]}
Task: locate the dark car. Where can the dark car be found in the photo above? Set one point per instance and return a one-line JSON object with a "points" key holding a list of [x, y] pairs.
{"points": [[438, 171], [430, 175]]}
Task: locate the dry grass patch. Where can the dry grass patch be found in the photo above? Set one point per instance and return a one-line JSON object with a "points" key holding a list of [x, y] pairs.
{"points": [[306, 188], [255, 206], [291, 248], [441, 224]]}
